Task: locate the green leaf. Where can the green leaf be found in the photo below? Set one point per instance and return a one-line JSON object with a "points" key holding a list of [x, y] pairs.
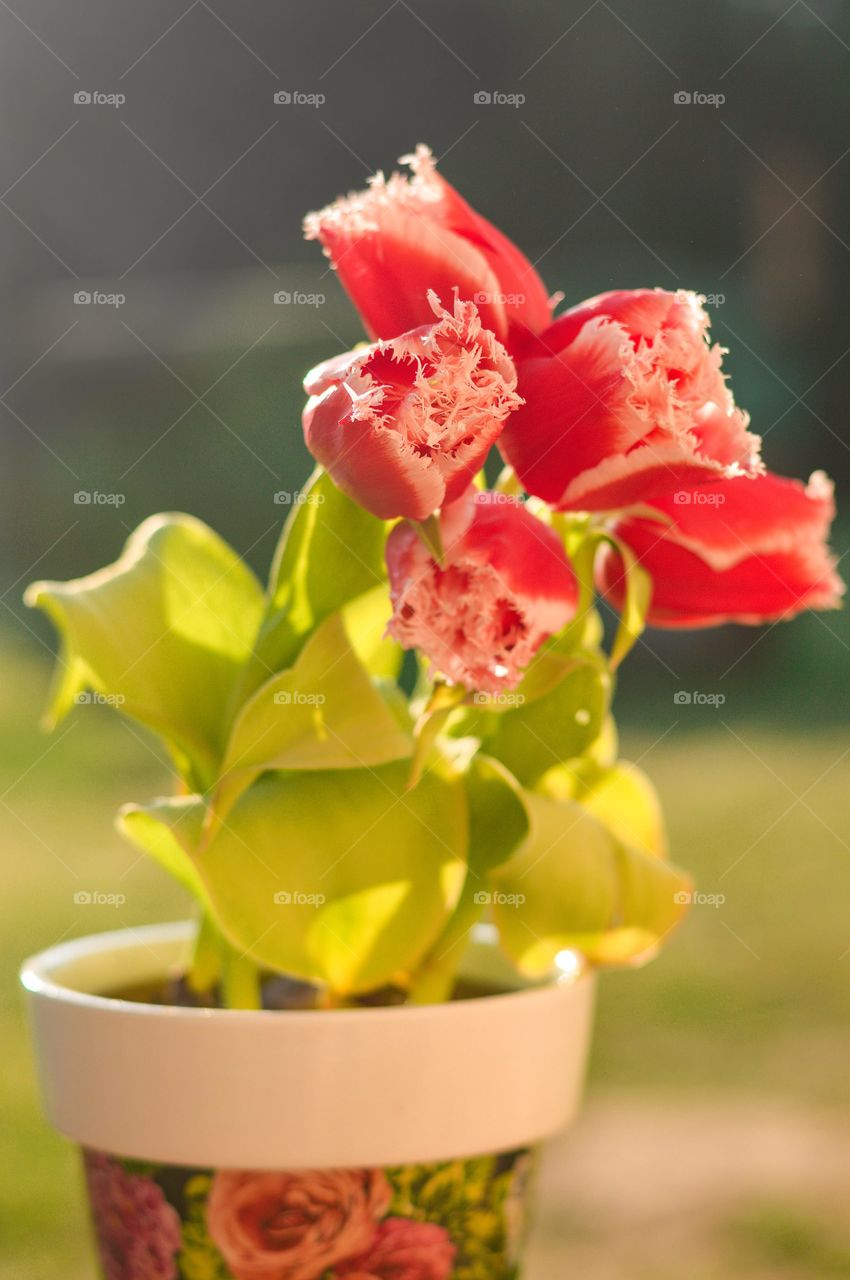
{"points": [[331, 551], [323, 713], [339, 877], [164, 633], [440, 707], [623, 798], [366, 619], [169, 829], [573, 885], [498, 819], [497, 823], [529, 739]]}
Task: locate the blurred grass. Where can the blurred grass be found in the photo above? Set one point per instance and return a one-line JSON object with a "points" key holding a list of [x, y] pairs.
{"points": [[748, 1001]]}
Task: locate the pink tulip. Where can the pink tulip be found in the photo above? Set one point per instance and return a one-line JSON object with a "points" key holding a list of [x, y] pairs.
{"points": [[403, 236], [404, 425], [503, 586], [625, 400], [740, 550]]}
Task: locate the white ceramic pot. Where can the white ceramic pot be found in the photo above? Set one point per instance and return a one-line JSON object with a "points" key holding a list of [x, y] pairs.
{"points": [[209, 1099]]}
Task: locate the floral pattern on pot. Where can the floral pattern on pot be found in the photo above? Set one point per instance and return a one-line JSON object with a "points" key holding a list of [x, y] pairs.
{"points": [[454, 1220]]}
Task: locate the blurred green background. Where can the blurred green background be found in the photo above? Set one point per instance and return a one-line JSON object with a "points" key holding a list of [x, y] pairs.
{"points": [[716, 1134]]}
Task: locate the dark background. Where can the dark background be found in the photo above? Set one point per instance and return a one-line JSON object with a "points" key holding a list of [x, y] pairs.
{"points": [[716, 1135], [188, 199]]}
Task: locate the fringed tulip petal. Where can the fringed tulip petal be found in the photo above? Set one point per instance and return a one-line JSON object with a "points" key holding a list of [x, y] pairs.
{"points": [[625, 400], [404, 425], [741, 550], [404, 235], [503, 586]]}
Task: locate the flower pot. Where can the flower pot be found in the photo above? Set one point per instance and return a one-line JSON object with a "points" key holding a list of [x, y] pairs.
{"points": [[365, 1143]]}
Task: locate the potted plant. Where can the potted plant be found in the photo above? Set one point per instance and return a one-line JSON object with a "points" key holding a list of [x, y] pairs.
{"points": [[399, 805]]}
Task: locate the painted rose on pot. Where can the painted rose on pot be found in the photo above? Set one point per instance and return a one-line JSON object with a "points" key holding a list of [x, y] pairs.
{"points": [[296, 1225], [404, 1249]]}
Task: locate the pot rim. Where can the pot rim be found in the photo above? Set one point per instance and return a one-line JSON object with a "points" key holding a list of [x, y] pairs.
{"points": [[284, 1089], [40, 975]]}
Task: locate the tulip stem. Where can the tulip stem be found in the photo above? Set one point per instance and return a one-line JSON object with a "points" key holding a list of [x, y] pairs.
{"points": [[240, 982], [205, 966]]}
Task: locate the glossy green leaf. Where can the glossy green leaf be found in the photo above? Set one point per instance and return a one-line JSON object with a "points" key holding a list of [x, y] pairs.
{"points": [[623, 798], [163, 633], [323, 713], [572, 885], [344, 877], [498, 822], [169, 830], [366, 619], [529, 739], [331, 551]]}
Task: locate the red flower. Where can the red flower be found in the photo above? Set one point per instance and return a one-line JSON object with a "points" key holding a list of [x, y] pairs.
{"points": [[503, 586], [625, 400], [738, 550], [404, 1249], [403, 236], [405, 424]]}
